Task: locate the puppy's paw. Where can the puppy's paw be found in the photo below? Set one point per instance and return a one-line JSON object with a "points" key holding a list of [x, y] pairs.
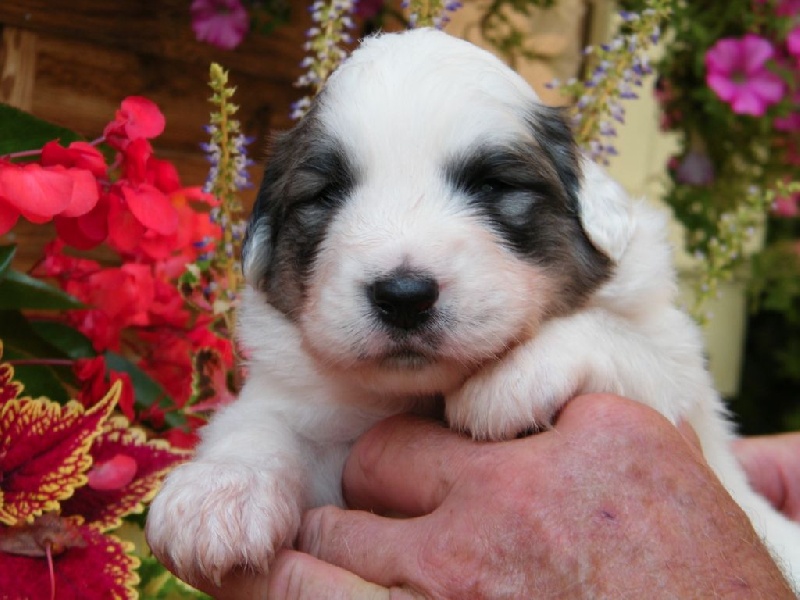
{"points": [[521, 392], [212, 516]]}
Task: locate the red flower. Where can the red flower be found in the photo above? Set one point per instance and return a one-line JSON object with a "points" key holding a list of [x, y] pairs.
{"points": [[151, 207], [163, 175], [87, 231], [91, 372], [172, 366], [180, 438], [81, 155], [123, 293], [39, 193], [119, 297], [136, 118]]}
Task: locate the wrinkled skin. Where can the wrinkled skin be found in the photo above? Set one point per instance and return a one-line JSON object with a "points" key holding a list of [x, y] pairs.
{"points": [[613, 502]]}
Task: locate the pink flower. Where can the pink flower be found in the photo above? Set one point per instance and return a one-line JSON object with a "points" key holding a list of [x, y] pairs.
{"points": [[793, 43], [736, 71], [695, 169], [222, 23], [786, 206], [787, 8]]}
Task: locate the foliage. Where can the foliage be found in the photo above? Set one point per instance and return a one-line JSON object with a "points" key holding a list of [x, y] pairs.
{"points": [[150, 320], [140, 332], [729, 85], [618, 68], [70, 474], [498, 26]]}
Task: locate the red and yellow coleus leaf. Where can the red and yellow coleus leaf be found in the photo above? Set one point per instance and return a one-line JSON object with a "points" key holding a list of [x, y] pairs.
{"points": [[127, 471], [9, 389], [44, 450], [87, 565]]}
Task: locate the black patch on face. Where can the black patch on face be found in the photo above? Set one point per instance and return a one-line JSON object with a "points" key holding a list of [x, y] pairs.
{"points": [[306, 179], [528, 194]]}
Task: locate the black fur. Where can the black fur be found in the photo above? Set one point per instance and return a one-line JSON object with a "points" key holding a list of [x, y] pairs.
{"points": [[306, 179], [528, 193]]}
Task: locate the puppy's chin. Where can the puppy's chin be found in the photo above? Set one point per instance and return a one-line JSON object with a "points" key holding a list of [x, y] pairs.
{"points": [[402, 372], [406, 360]]}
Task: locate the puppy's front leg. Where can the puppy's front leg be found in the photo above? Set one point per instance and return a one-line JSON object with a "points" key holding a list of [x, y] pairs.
{"points": [[239, 500], [590, 351]]}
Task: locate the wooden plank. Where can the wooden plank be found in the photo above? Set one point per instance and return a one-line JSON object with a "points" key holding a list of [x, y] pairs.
{"points": [[161, 29], [80, 85], [17, 67]]}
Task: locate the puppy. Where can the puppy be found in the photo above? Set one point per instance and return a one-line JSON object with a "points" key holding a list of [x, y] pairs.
{"points": [[431, 230]]}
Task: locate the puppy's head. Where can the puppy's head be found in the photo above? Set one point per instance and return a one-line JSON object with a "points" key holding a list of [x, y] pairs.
{"points": [[424, 217]]}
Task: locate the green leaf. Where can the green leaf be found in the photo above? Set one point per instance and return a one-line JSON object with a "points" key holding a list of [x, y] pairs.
{"points": [[147, 391], [20, 337], [156, 583], [19, 291], [22, 131], [6, 256], [68, 340], [38, 380]]}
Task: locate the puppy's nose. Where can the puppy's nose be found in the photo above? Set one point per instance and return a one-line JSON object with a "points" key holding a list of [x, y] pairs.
{"points": [[404, 300]]}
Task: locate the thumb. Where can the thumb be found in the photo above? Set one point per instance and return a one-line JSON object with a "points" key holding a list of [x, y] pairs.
{"points": [[298, 576]]}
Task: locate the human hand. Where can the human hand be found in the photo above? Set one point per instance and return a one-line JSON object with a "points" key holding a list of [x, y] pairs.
{"points": [[611, 503], [772, 464]]}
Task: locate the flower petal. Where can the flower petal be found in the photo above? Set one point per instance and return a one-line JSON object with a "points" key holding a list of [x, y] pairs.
{"points": [[78, 154], [85, 193], [723, 86], [8, 216], [142, 117], [37, 192], [755, 51], [748, 102], [723, 56], [152, 208], [767, 86], [87, 231]]}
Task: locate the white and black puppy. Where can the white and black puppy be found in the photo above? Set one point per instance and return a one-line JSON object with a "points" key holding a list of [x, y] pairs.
{"points": [[430, 230]]}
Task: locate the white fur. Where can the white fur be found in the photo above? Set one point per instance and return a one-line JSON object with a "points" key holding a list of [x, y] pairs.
{"points": [[503, 364]]}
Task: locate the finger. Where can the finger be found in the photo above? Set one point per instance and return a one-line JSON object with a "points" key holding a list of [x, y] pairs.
{"points": [[298, 576], [601, 411], [378, 549], [772, 467], [690, 435], [405, 465]]}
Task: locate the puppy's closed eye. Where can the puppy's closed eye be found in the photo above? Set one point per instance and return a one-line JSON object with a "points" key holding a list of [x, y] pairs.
{"points": [[321, 178]]}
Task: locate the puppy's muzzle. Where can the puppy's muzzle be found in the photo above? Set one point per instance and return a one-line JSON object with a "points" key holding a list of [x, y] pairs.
{"points": [[404, 300]]}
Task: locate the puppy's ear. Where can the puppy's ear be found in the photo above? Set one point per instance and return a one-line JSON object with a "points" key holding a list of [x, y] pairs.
{"points": [[603, 206], [606, 211], [258, 244], [554, 136]]}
